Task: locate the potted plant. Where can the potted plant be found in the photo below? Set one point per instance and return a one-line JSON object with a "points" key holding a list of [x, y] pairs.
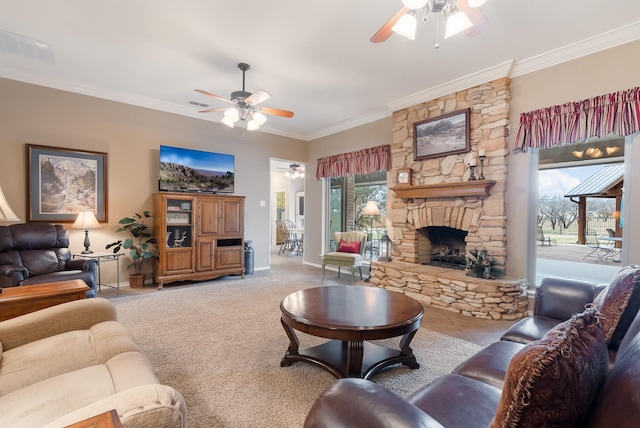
{"points": [[141, 244]]}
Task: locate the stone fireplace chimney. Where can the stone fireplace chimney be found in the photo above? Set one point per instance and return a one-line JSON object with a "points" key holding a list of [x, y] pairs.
{"points": [[481, 214], [441, 197]]}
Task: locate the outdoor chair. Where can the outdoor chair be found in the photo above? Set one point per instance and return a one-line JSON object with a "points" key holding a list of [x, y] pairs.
{"points": [[598, 250], [350, 248], [542, 239]]}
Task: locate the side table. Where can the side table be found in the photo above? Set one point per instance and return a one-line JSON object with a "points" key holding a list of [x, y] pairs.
{"points": [[105, 257], [108, 419], [16, 301]]}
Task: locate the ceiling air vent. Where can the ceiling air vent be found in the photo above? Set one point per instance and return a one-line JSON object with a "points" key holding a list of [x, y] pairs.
{"points": [[197, 104], [25, 46]]}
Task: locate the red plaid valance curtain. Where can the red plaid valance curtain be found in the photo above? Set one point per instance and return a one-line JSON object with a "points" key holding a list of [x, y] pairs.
{"points": [[617, 113], [361, 162]]}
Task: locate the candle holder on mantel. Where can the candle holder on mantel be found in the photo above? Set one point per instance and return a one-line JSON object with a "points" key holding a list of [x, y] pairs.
{"points": [[481, 176], [472, 174]]}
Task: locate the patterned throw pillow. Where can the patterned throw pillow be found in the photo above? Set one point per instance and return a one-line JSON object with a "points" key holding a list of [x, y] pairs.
{"points": [[551, 382], [619, 303], [348, 247]]}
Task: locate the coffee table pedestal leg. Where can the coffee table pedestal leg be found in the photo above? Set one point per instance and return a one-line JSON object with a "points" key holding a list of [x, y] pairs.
{"points": [[354, 358]]}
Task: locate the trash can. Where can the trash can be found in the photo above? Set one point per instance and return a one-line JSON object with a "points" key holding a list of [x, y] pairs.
{"points": [[248, 258]]}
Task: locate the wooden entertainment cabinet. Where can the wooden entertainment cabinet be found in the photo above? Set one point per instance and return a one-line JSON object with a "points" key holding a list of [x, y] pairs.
{"points": [[200, 236]]}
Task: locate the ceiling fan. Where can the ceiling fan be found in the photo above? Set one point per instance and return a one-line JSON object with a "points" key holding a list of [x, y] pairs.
{"points": [[246, 106], [459, 15], [293, 171]]}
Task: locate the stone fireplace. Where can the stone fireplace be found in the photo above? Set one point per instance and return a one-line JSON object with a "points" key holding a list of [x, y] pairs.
{"points": [[443, 213]]}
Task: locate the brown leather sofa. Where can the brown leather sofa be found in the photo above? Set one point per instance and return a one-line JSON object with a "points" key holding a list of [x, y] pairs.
{"points": [[474, 395], [35, 253]]}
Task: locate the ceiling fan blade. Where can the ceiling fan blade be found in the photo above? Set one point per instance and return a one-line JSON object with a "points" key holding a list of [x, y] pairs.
{"points": [[276, 112], [385, 31], [475, 15], [257, 97], [213, 95], [213, 110]]}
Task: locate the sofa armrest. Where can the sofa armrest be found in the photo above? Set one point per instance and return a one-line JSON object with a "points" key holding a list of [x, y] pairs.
{"points": [[560, 298], [155, 405], [11, 275], [75, 315], [353, 403]]}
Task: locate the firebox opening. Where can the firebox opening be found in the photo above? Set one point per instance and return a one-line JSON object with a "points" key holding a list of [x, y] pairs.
{"points": [[447, 246]]}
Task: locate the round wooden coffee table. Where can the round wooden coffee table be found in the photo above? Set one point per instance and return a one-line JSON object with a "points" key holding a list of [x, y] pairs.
{"points": [[350, 316]]}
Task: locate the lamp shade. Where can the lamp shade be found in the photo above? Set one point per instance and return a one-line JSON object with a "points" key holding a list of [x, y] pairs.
{"points": [[86, 220], [371, 208], [5, 210]]}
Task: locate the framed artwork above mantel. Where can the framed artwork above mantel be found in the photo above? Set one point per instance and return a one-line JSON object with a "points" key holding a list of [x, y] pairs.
{"points": [[444, 135], [61, 182]]}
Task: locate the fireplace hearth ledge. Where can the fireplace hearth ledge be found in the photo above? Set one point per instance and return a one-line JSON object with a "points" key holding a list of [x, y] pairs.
{"points": [[453, 290]]}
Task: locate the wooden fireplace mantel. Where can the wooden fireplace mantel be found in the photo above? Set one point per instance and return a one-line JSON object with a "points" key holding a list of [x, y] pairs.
{"points": [[477, 188]]}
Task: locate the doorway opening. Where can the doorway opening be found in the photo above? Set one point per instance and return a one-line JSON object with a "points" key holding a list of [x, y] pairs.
{"points": [[579, 214]]}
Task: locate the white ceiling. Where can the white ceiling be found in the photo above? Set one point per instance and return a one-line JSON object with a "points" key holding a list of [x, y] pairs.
{"points": [[314, 57]]}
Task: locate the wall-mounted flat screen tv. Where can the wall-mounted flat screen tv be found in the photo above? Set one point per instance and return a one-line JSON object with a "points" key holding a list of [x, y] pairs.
{"points": [[188, 170]]}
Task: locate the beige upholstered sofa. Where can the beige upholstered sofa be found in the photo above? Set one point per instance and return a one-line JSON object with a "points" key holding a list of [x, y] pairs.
{"points": [[69, 362]]}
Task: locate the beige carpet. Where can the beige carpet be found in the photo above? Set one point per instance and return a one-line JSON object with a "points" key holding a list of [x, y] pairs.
{"points": [[220, 344]]}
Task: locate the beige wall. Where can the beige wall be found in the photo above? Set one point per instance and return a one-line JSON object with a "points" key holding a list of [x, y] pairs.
{"points": [[131, 137]]}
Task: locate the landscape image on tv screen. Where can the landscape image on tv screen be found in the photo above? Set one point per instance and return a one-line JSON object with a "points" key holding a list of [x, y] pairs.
{"points": [[187, 170]]}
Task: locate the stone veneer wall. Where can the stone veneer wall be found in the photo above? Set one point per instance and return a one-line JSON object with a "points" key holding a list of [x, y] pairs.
{"points": [[484, 218]]}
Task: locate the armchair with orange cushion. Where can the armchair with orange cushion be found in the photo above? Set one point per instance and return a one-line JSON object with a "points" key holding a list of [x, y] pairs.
{"points": [[349, 252]]}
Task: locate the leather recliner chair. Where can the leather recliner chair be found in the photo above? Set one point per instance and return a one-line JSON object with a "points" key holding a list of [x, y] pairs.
{"points": [[35, 253]]}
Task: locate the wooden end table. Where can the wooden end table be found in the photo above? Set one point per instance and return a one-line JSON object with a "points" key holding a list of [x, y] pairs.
{"points": [[351, 316], [16, 301], [108, 419]]}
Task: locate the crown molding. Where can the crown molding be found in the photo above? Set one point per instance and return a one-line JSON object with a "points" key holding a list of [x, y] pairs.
{"points": [[598, 43], [453, 86], [40, 79], [345, 125], [603, 41]]}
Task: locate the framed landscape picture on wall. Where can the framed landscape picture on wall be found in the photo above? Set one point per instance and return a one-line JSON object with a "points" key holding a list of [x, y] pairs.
{"points": [[61, 182], [441, 136]]}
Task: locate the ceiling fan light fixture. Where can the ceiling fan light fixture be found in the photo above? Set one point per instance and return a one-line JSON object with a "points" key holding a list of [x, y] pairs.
{"points": [[476, 3], [259, 118], [457, 22], [232, 114], [252, 125], [406, 26], [414, 4], [230, 123]]}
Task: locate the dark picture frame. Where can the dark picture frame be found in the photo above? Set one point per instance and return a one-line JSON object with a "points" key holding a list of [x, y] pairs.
{"points": [[61, 182], [441, 136]]}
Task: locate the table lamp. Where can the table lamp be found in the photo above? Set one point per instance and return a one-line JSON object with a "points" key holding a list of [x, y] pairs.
{"points": [[86, 220], [6, 213]]}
